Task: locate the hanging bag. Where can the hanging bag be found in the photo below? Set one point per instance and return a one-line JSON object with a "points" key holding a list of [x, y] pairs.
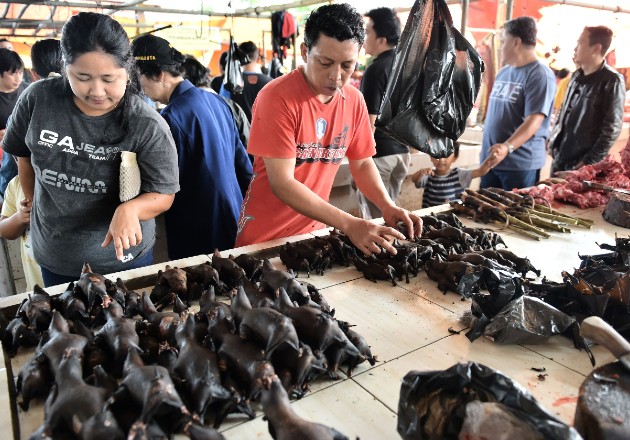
{"points": [[434, 82]]}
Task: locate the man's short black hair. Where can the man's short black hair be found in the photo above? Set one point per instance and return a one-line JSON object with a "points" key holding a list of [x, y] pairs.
{"points": [[223, 59], [339, 21], [600, 35], [250, 49], [523, 28], [10, 61], [46, 57], [386, 24]]}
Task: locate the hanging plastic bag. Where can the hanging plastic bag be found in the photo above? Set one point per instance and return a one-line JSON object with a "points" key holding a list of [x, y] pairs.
{"points": [[452, 76], [433, 404], [233, 80], [429, 94]]}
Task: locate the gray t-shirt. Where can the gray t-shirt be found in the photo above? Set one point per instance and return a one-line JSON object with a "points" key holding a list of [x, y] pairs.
{"points": [[517, 93], [77, 174]]}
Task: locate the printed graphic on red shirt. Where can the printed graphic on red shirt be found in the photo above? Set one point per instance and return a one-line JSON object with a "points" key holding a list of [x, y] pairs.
{"points": [[310, 152]]}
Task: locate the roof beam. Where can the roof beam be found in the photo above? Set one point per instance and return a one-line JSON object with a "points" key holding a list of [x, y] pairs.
{"points": [[590, 4], [33, 24], [205, 11]]}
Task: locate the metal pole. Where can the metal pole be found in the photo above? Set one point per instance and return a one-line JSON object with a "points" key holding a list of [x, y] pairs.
{"points": [[465, 4], [592, 5], [509, 10]]}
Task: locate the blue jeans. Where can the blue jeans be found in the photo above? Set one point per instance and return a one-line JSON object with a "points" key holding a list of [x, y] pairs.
{"points": [[52, 278], [508, 180]]}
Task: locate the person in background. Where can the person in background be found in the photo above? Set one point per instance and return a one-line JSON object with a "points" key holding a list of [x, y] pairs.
{"points": [[196, 73], [15, 221], [382, 32], [67, 133], [46, 60], [5, 44], [15, 218], [214, 169], [253, 79], [563, 77], [199, 76], [304, 124], [442, 183], [591, 117], [519, 109], [11, 87], [216, 82]]}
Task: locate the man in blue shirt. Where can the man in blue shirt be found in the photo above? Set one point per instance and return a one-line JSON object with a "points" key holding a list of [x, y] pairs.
{"points": [[517, 123], [214, 170]]}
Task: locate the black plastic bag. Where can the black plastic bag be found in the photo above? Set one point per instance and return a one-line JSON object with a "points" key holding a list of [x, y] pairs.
{"points": [[527, 320], [432, 404], [233, 80], [434, 82], [452, 77]]}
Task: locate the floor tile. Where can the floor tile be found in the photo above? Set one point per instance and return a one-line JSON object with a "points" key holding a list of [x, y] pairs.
{"points": [[562, 351], [345, 406], [556, 393], [426, 288], [391, 319]]}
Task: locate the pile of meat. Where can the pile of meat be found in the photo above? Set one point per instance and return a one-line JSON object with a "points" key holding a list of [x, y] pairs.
{"points": [[608, 172], [104, 374]]}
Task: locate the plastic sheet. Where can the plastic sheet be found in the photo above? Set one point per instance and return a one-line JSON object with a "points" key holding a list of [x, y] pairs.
{"points": [[434, 82], [432, 404], [527, 320]]}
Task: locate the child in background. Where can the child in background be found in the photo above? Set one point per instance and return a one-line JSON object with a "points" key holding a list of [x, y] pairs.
{"points": [[15, 220], [442, 184]]}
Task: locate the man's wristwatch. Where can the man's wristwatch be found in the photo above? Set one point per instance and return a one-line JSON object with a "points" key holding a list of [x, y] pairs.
{"points": [[510, 147]]}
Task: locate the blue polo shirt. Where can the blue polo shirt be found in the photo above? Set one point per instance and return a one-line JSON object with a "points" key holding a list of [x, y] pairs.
{"points": [[214, 173], [517, 93]]}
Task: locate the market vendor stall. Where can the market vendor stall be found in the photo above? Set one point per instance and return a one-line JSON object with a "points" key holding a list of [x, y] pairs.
{"points": [[409, 327]]}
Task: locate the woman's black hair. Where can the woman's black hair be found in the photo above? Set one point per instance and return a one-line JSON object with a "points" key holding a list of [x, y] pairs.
{"points": [[46, 57], [10, 61], [92, 32], [195, 72], [339, 21]]}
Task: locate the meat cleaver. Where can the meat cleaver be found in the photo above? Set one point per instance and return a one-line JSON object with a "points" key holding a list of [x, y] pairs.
{"points": [[599, 331], [601, 187]]}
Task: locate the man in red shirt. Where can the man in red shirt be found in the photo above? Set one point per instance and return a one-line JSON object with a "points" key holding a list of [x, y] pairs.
{"points": [[303, 124]]}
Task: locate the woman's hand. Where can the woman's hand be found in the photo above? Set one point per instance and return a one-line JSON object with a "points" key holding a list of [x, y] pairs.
{"points": [[394, 214], [124, 229]]}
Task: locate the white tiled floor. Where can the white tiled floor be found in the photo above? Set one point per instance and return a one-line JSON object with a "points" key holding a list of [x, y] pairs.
{"points": [[407, 328]]}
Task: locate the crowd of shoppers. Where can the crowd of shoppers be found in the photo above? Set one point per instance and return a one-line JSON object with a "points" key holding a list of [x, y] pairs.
{"points": [[63, 137]]}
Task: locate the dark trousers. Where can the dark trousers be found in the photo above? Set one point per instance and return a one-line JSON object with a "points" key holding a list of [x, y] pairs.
{"points": [[52, 278], [508, 180]]}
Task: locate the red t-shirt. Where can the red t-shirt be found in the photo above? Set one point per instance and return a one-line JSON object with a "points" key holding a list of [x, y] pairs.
{"points": [[290, 122]]}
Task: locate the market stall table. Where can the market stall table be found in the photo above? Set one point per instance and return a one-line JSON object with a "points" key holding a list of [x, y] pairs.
{"points": [[407, 327]]}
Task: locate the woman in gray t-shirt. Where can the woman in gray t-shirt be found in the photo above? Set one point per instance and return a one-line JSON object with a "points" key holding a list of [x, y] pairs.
{"points": [[68, 133]]}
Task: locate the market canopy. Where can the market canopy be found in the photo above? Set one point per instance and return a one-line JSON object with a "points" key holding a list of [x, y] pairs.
{"points": [[202, 27]]}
